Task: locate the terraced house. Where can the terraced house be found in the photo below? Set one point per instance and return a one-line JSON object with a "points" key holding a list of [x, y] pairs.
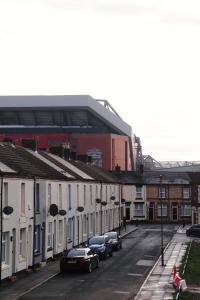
{"points": [[49, 204]]}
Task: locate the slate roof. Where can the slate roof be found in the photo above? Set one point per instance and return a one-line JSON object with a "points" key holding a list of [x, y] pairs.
{"points": [[95, 172], [25, 164]]}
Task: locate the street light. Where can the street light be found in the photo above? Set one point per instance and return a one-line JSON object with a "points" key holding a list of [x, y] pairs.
{"points": [[161, 224]]}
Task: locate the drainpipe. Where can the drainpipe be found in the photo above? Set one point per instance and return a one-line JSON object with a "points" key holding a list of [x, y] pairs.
{"points": [[34, 199], [1, 226]]}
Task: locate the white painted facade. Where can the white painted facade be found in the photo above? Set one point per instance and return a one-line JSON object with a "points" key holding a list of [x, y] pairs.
{"points": [[17, 236]]}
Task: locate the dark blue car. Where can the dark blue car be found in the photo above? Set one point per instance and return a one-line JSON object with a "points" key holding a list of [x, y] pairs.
{"points": [[100, 245]]}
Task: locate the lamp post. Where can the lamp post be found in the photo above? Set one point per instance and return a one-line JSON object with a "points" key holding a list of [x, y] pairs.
{"points": [[161, 224]]}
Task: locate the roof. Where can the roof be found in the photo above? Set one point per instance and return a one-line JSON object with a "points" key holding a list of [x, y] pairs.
{"points": [[70, 102], [25, 164], [129, 177], [95, 172]]}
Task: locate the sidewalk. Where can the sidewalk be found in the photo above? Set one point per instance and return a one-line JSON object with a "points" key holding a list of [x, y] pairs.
{"points": [[158, 284], [15, 290]]}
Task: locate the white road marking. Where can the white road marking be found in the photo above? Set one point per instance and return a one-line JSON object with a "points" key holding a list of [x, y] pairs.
{"points": [[120, 292], [134, 274]]}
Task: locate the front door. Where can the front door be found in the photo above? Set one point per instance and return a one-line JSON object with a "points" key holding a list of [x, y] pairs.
{"points": [[174, 213], [13, 250], [151, 213], [127, 213]]}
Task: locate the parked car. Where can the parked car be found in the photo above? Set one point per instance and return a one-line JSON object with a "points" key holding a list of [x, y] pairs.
{"points": [[115, 240], [100, 245], [193, 230], [79, 259]]}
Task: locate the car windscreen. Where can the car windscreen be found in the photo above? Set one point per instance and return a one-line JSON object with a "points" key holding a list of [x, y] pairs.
{"points": [[111, 235], [76, 252], [96, 240]]}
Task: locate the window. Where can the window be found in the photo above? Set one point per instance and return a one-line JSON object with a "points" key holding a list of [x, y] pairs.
{"points": [[5, 248], [37, 198], [84, 195], [96, 192], [69, 197], [91, 222], [60, 196], [164, 210], [22, 242], [97, 222], [60, 232], [162, 192], [23, 198], [77, 187], [139, 210], [84, 224], [49, 195], [37, 239], [186, 193], [50, 235], [5, 194], [91, 194], [69, 230], [138, 192], [186, 210]]}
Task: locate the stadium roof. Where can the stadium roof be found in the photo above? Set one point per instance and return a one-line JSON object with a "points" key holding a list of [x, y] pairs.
{"points": [[84, 111]]}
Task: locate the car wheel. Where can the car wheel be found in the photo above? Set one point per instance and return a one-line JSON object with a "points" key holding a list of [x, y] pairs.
{"points": [[61, 270], [110, 254], [120, 247], [105, 255], [89, 268]]}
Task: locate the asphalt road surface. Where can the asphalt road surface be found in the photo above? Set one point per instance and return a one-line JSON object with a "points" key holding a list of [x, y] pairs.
{"points": [[117, 278]]}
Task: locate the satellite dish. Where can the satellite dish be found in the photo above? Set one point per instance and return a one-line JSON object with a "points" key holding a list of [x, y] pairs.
{"points": [[8, 210], [62, 212], [53, 210]]}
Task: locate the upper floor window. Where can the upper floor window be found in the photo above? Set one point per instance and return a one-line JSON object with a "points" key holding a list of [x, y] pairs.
{"points": [[60, 195], [138, 192], [5, 194], [162, 192], [91, 194], [186, 193], [23, 198], [49, 195], [84, 195], [69, 197], [37, 197]]}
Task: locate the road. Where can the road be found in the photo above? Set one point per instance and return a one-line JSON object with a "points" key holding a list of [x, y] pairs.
{"points": [[117, 278]]}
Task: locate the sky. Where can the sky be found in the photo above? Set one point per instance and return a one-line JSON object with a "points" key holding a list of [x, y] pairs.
{"points": [[143, 56]]}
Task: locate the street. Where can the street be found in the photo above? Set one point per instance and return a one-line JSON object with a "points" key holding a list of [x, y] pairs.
{"points": [[119, 277]]}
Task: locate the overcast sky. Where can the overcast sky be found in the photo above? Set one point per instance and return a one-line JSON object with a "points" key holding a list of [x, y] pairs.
{"points": [[143, 56]]}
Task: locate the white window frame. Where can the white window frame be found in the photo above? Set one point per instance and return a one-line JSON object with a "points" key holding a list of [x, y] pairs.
{"points": [[23, 198], [22, 242], [60, 232], [162, 192], [186, 193], [69, 197], [5, 194], [69, 230], [49, 195], [60, 195], [164, 210], [5, 247], [50, 235], [138, 192], [139, 210], [186, 210], [91, 194]]}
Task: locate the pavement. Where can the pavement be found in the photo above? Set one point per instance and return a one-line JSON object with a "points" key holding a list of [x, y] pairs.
{"points": [[157, 286], [159, 283], [26, 282]]}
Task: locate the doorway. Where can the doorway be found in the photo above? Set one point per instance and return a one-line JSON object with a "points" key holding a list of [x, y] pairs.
{"points": [[174, 213], [13, 251]]}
